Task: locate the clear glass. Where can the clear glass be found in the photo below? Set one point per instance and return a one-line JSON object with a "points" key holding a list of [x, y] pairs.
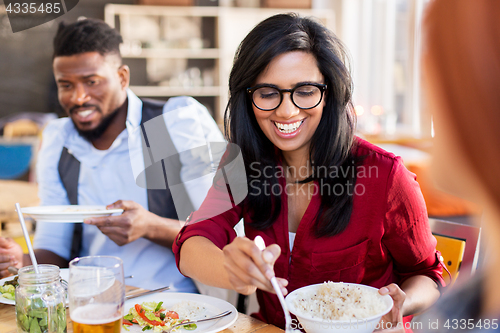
{"points": [[40, 301], [96, 294]]}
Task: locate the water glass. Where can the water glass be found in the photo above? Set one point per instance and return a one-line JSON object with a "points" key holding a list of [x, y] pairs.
{"points": [[96, 294]]}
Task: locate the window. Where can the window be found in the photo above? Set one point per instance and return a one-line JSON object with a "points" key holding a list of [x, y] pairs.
{"points": [[384, 39]]}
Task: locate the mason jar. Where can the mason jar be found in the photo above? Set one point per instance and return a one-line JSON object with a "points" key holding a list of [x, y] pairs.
{"points": [[40, 301]]}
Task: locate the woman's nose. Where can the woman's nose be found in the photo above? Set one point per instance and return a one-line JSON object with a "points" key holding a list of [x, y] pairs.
{"points": [[287, 109]]}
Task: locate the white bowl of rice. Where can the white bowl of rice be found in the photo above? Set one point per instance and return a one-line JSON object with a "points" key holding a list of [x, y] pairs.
{"points": [[338, 307]]}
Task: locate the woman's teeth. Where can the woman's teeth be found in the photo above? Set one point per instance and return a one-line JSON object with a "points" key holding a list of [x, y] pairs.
{"points": [[85, 113], [288, 128]]}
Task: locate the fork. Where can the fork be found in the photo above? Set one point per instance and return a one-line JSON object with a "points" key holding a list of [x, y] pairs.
{"points": [[147, 292], [220, 315], [288, 319]]}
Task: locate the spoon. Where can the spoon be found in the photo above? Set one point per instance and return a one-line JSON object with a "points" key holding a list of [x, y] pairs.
{"points": [[288, 319]]}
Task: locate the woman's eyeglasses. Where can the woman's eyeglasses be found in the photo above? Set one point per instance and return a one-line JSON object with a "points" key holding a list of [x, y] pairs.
{"points": [[267, 97]]}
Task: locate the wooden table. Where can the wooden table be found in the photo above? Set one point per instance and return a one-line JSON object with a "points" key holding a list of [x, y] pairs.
{"points": [[244, 323]]}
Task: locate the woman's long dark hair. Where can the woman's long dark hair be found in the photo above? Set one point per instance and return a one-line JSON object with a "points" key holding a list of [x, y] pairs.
{"points": [[332, 143]]}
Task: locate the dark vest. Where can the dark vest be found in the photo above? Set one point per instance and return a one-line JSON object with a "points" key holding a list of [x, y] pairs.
{"points": [[160, 201]]}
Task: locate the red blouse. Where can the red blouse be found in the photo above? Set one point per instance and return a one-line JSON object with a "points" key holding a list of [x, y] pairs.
{"points": [[388, 238]]}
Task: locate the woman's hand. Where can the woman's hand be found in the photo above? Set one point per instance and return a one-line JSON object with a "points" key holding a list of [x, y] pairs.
{"points": [[249, 268], [395, 316]]}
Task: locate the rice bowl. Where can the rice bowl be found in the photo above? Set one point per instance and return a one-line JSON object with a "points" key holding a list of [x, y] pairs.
{"points": [[334, 307]]}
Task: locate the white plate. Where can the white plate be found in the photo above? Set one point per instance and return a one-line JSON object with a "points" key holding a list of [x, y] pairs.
{"points": [[69, 213], [213, 305], [64, 273]]}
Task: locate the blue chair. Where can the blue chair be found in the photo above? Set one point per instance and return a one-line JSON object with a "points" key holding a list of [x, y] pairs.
{"points": [[15, 160]]}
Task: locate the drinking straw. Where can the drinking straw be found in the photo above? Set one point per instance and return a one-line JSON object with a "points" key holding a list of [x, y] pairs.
{"points": [[27, 238]]}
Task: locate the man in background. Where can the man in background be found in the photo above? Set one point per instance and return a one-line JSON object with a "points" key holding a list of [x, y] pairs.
{"points": [[96, 155]]}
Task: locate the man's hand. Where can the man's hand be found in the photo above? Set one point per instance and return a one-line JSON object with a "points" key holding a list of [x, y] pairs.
{"points": [[11, 254], [124, 228], [134, 223]]}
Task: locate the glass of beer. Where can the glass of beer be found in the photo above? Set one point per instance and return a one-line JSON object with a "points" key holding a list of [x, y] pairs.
{"points": [[96, 294]]}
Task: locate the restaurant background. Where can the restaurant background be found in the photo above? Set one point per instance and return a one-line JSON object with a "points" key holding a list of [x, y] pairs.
{"points": [[188, 49], [199, 43]]}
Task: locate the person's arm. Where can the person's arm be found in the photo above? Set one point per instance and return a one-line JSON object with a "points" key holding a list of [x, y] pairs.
{"points": [[240, 266], [136, 222], [415, 295], [410, 242], [421, 292], [203, 261], [208, 250]]}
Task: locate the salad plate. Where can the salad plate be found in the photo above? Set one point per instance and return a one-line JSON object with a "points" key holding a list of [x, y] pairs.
{"points": [[67, 213], [64, 273], [199, 306]]}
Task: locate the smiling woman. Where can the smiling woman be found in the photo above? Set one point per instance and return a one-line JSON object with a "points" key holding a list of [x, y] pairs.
{"points": [[290, 109], [288, 119]]}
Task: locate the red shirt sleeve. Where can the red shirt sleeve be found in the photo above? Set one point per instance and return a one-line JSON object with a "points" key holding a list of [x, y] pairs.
{"points": [[214, 220], [408, 235]]}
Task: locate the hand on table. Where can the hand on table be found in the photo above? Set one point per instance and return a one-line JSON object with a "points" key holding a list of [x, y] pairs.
{"points": [[11, 254], [389, 322], [133, 224], [249, 268]]}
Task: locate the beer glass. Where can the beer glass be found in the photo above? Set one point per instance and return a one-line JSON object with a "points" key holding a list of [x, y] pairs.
{"points": [[96, 294]]}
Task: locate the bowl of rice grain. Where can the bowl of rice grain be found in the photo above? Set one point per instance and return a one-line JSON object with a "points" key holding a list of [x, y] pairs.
{"points": [[338, 307]]}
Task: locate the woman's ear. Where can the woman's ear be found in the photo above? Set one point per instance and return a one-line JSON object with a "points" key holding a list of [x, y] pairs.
{"points": [[124, 74]]}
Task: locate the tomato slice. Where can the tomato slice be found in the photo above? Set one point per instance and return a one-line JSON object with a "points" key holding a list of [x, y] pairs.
{"points": [[126, 322], [172, 314], [141, 313]]}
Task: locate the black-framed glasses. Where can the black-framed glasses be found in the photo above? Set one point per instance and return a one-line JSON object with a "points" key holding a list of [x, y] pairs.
{"points": [[267, 97]]}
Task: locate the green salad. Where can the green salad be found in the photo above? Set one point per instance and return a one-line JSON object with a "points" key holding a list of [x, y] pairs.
{"points": [[153, 316], [32, 316], [8, 290]]}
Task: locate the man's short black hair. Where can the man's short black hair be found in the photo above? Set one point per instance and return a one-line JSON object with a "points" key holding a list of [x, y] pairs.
{"points": [[87, 35]]}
